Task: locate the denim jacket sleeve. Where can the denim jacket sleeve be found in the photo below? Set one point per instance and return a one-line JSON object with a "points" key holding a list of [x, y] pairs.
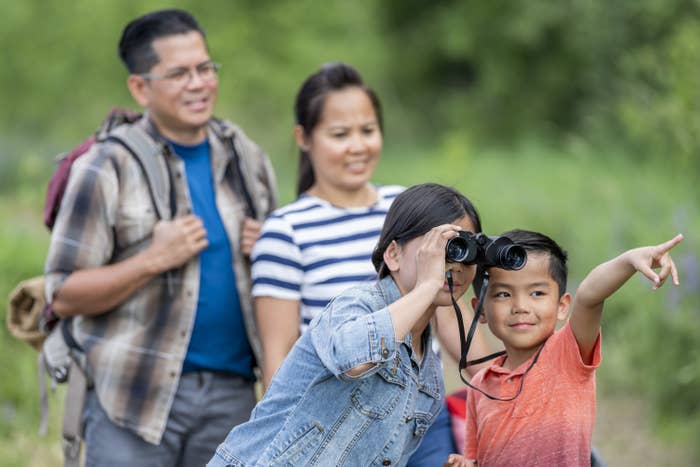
{"points": [[356, 328]]}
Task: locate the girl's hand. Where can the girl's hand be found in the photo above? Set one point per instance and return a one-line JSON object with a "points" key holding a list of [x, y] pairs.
{"points": [[430, 257], [646, 259]]}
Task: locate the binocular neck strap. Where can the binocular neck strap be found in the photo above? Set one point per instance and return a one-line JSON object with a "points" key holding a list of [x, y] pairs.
{"points": [[466, 342]]}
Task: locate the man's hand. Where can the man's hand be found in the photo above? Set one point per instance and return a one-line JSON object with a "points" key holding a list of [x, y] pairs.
{"points": [[250, 231], [175, 242]]}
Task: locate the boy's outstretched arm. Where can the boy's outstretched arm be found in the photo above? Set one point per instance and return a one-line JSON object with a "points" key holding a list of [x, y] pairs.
{"points": [[606, 278]]}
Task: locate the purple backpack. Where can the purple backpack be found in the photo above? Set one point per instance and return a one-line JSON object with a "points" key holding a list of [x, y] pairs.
{"points": [[59, 179]]}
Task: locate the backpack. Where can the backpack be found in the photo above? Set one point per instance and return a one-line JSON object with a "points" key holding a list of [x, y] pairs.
{"points": [[32, 320]]}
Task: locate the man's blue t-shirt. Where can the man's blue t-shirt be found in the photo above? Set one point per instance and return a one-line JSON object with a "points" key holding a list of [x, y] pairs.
{"points": [[219, 341]]}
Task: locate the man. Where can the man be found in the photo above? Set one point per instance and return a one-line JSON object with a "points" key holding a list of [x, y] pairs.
{"points": [[162, 307]]}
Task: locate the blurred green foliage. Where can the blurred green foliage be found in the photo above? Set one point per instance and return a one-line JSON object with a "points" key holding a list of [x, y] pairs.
{"points": [[574, 118]]}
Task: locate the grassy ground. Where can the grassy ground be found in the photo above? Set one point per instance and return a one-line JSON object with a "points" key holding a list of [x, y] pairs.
{"points": [[595, 209]]}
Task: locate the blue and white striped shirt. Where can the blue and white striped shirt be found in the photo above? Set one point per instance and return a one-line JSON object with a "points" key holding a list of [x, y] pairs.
{"points": [[311, 251]]}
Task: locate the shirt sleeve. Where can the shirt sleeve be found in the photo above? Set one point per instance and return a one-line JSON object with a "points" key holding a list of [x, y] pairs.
{"points": [[569, 354], [82, 236], [350, 333], [277, 268]]}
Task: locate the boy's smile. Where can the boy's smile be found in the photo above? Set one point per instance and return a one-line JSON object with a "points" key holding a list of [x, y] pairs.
{"points": [[522, 307]]}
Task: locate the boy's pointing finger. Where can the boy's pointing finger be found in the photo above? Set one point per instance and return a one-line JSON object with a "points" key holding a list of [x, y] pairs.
{"points": [[666, 246]]}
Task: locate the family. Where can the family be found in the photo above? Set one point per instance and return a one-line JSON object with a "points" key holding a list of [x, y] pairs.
{"points": [[339, 298]]}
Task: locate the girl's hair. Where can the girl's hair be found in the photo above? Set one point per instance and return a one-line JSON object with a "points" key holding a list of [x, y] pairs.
{"points": [[417, 210], [308, 107]]}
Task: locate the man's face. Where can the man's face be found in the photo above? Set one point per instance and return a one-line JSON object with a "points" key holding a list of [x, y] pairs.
{"points": [[180, 108], [522, 307]]}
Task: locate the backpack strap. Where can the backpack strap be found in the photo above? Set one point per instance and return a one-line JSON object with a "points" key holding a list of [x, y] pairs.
{"points": [[147, 153], [227, 133], [73, 414], [250, 211]]}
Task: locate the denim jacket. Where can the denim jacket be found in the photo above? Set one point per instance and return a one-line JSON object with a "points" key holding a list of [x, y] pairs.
{"points": [[314, 413]]}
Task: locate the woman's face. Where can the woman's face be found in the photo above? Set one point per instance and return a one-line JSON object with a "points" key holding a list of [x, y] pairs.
{"points": [[344, 146]]}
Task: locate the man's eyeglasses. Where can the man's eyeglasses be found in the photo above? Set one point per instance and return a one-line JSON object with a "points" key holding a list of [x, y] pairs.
{"points": [[181, 77]]}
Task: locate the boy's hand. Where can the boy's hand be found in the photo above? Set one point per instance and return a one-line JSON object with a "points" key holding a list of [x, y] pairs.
{"points": [[458, 461], [646, 259]]}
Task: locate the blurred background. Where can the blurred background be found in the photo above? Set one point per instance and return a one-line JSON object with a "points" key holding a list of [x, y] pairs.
{"points": [[576, 118]]}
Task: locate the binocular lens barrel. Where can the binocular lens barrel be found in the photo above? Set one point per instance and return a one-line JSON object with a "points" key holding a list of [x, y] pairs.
{"points": [[501, 252]]}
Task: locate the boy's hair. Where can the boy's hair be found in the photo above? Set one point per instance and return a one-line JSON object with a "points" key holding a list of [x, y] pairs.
{"points": [[417, 210], [535, 242], [136, 43]]}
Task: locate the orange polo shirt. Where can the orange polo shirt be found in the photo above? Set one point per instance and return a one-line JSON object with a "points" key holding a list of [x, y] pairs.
{"points": [[549, 423]]}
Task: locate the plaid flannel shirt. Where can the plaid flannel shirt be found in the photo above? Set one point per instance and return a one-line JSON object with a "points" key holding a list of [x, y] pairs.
{"points": [[135, 351]]}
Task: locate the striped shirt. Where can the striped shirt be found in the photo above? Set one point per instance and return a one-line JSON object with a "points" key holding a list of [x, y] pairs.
{"points": [[311, 251]]}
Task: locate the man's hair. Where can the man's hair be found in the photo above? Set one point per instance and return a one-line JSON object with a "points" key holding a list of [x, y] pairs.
{"points": [[535, 242], [136, 43]]}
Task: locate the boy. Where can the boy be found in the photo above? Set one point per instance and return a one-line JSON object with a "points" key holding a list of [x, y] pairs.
{"points": [[536, 404]]}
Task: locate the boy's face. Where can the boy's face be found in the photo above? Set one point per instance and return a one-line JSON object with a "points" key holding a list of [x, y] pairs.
{"points": [[522, 307]]}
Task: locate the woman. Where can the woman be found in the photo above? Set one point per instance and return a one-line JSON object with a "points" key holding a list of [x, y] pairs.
{"points": [[319, 245]]}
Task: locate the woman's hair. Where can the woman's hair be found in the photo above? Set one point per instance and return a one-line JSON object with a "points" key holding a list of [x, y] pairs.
{"points": [[308, 107], [417, 210]]}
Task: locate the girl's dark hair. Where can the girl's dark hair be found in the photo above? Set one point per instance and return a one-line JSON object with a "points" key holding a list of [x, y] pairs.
{"points": [[417, 210], [136, 43], [309, 103]]}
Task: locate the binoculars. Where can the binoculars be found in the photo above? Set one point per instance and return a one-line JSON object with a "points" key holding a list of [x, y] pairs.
{"points": [[471, 248]]}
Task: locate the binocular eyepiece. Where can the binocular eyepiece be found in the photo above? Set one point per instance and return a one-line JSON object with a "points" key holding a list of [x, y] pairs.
{"points": [[471, 248]]}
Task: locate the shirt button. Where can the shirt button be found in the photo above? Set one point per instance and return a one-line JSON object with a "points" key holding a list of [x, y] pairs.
{"points": [[173, 374], [386, 462], [409, 418], [385, 352]]}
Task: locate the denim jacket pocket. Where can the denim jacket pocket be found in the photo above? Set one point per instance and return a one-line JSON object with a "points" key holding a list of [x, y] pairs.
{"points": [[379, 394], [295, 449]]}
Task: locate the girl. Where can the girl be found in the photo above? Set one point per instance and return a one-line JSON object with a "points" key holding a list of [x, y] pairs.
{"points": [[362, 385], [316, 247]]}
